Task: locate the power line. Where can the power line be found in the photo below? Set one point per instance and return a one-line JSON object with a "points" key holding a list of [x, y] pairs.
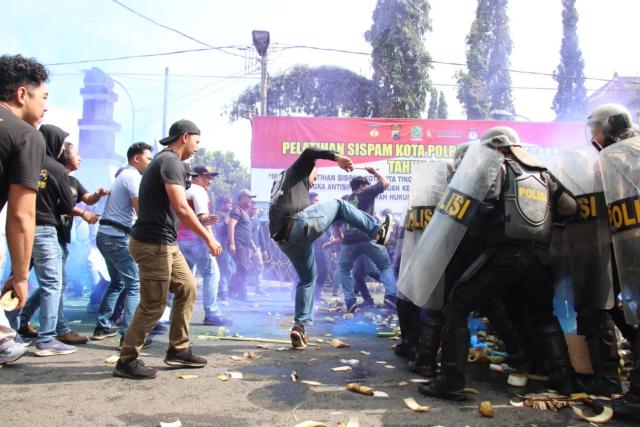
{"points": [[455, 64], [120, 58], [166, 27]]}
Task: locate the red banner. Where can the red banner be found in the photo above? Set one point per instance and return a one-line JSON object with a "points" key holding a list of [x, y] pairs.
{"points": [[392, 145]]}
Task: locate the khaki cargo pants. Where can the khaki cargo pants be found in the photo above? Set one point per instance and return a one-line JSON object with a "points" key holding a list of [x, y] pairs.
{"points": [[163, 269]]}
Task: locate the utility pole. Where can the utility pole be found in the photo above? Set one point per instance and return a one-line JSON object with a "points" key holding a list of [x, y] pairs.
{"points": [[165, 102], [261, 42]]}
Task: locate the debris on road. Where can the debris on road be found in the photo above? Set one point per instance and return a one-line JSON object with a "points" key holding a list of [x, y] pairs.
{"points": [[336, 343], [604, 417], [187, 376], [414, 406], [359, 388], [486, 409], [341, 368], [175, 423]]}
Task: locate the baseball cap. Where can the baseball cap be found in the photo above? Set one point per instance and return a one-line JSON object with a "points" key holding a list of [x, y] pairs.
{"points": [[204, 170], [188, 169], [246, 192], [179, 128]]}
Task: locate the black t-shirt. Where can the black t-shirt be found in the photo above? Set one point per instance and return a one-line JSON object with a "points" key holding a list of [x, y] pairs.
{"points": [[365, 201], [21, 154], [157, 223], [244, 228], [54, 198], [66, 221], [290, 193], [221, 228]]}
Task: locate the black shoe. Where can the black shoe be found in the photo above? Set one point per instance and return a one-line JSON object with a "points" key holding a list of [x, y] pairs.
{"points": [[147, 342], [100, 334], [298, 337], [600, 385], [389, 302], [184, 359], [134, 370], [159, 329], [352, 306], [627, 408], [385, 230], [441, 389], [405, 350], [213, 320], [426, 371], [564, 381]]}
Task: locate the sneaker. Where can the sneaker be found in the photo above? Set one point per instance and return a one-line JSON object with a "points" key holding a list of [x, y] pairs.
{"points": [[100, 334], [184, 359], [11, 354], [53, 348], [26, 330], [353, 306], [134, 370], [298, 337], [147, 342], [213, 320], [385, 230], [73, 338], [159, 329]]}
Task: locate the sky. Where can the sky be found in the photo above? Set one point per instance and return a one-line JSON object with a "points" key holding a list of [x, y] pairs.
{"points": [[60, 31]]}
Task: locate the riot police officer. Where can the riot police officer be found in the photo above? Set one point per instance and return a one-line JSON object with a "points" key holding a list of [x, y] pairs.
{"points": [[517, 213], [612, 132]]}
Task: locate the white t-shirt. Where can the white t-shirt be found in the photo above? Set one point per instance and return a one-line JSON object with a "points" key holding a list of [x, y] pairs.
{"points": [[198, 199]]}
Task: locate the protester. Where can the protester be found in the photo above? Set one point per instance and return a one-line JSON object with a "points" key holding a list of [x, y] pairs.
{"points": [[259, 255], [112, 240], [225, 261], [294, 225], [163, 269], [23, 96], [241, 244]]}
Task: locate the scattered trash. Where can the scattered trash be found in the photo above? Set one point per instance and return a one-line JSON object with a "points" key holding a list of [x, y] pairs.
{"points": [[234, 375], [250, 355], [604, 417], [329, 319], [403, 383], [336, 343], [517, 379], [223, 377], [377, 393], [353, 422], [311, 423], [389, 366], [75, 322], [281, 349], [350, 362], [319, 340], [328, 335], [187, 376], [419, 380], [486, 409], [471, 390], [414, 406], [386, 334], [294, 376], [175, 423], [347, 316], [236, 358], [503, 368], [256, 305], [307, 382], [237, 337], [264, 346], [381, 362], [535, 377], [543, 401], [359, 388], [366, 353], [112, 359], [222, 331], [341, 369]]}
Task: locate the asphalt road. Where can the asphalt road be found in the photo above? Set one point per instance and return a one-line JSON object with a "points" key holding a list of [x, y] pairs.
{"points": [[80, 390]]}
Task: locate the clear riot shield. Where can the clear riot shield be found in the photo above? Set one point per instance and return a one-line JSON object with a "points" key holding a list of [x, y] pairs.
{"points": [[582, 249], [424, 269], [620, 165], [428, 184]]}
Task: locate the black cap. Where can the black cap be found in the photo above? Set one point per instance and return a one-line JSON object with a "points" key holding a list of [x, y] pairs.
{"points": [[204, 170], [188, 169], [180, 128]]}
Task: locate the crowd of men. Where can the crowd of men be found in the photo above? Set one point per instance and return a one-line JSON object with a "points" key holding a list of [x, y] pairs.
{"points": [[504, 225]]}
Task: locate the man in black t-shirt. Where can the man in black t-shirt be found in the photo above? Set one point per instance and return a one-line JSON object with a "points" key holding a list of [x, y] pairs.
{"points": [[356, 243], [294, 225], [163, 268], [23, 95], [241, 244]]}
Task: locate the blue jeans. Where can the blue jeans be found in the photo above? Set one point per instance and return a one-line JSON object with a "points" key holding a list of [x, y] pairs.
{"points": [[124, 278], [380, 257], [227, 268], [196, 253], [308, 225], [47, 263], [33, 303]]}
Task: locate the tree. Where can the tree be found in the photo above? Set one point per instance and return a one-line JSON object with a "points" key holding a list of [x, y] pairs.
{"points": [[443, 111], [570, 101], [433, 105], [486, 85], [325, 91], [233, 175], [399, 58]]}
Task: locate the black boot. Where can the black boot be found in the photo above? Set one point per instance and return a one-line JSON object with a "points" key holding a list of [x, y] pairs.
{"points": [[603, 349], [430, 336], [501, 324], [562, 377], [408, 317], [450, 383]]}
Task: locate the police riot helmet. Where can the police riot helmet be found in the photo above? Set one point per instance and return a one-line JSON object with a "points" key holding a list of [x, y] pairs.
{"points": [[614, 120], [461, 149], [501, 136]]}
